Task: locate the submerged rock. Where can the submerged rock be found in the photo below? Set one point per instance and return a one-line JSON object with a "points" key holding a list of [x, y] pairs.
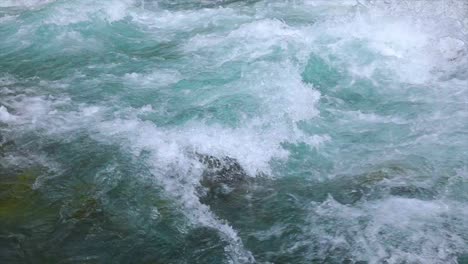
{"points": [[413, 192], [223, 178], [222, 170]]}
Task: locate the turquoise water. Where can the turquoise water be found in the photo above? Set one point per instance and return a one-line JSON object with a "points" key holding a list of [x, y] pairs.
{"points": [[196, 131]]}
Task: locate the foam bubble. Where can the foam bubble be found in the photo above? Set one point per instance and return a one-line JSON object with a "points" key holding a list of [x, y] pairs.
{"points": [[5, 116]]}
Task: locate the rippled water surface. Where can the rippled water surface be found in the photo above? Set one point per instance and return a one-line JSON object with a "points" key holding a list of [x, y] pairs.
{"points": [[224, 131]]}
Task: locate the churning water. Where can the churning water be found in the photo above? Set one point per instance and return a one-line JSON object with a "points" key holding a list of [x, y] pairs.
{"points": [[223, 131]]}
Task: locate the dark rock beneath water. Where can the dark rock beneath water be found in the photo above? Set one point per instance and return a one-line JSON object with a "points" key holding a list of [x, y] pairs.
{"points": [[222, 178], [224, 170], [413, 192]]}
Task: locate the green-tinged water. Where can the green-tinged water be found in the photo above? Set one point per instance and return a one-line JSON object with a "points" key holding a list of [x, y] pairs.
{"points": [[196, 131]]}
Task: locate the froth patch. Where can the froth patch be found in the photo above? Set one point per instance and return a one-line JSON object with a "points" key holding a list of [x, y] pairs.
{"points": [[155, 79], [253, 145], [5, 116], [392, 229], [452, 48], [25, 3], [68, 13], [252, 40]]}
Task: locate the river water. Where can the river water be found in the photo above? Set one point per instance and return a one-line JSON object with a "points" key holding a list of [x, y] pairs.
{"points": [[196, 131]]}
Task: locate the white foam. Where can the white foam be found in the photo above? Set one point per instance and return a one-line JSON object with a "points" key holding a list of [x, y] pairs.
{"points": [[75, 12], [253, 145], [391, 229], [452, 48], [71, 41], [280, 88], [415, 39], [7, 18], [154, 79], [411, 49], [353, 116], [278, 84], [5, 116], [24, 3], [175, 169], [6, 80], [252, 40], [328, 3], [186, 20]]}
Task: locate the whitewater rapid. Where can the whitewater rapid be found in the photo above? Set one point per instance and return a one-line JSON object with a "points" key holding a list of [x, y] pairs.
{"points": [[349, 119]]}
